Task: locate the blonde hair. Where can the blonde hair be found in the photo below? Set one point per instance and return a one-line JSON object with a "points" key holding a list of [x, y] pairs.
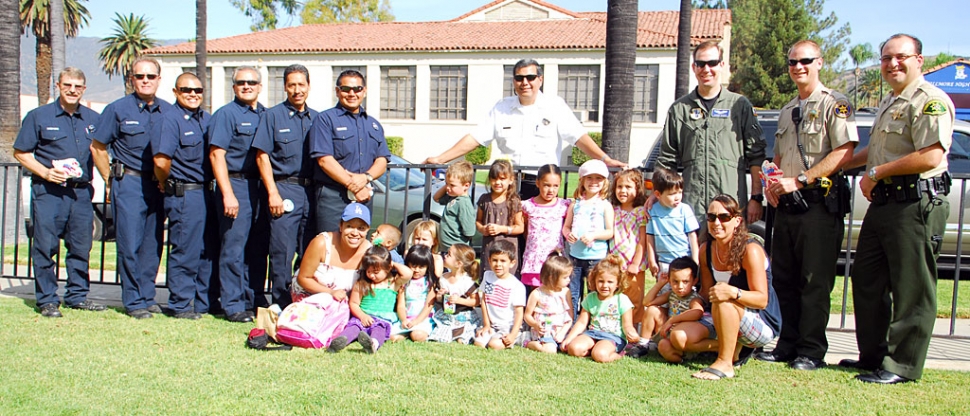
{"points": [[612, 264], [465, 256], [390, 233], [581, 189], [462, 171], [429, 226]]}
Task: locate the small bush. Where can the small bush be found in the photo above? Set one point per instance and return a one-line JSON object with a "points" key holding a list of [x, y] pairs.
{"points": [[479, 156], [396, 145], [578, 156]]}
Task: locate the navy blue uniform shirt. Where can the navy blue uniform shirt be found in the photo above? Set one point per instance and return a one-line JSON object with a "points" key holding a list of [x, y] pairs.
{"points": [[233, 128], [183, 140], [282, 134], [354, 140], [128, 125], [50, 134]]}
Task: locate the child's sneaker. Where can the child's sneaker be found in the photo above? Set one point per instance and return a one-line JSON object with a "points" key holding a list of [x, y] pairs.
{"points": [[337, 344], [370, 346]]}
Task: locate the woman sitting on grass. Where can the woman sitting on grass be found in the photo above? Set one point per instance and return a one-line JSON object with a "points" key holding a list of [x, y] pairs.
{"points": [[736, 278], [331, 260]]}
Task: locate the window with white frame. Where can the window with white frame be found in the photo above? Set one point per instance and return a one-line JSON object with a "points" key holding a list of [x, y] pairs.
{"points": [[397, 92], [337, 70], [276, 91], [229, 94], [207, 95], [449, 90], [579, 85], [645, 81], [507, 88]]}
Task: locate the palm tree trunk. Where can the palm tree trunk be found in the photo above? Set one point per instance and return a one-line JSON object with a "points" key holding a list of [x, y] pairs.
{"points": [[200, 51], [43, 50], [621, 54], [682, 77], [57, 37], [10, 73]]}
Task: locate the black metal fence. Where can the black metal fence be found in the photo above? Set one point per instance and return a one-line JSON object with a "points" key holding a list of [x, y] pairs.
{"points": [[402, 197]]}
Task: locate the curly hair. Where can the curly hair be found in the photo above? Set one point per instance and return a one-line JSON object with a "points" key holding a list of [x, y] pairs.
{"points": [[615, 265], [740, 237]]}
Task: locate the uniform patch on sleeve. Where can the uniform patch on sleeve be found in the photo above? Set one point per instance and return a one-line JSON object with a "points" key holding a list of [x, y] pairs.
{"points": [[934, 107], [842, 109]]}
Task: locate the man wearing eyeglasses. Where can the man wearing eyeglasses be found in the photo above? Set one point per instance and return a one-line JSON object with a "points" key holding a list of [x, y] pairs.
{"points": [[350, 149], [816, 136], [60, 192], [894, 273], [244, 244], [282, 155], [128, 126], [179, 158], [714, 135], [531, 129]]}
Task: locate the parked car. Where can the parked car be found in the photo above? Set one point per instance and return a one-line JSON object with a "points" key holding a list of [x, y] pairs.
{"points": [[959, 166]]}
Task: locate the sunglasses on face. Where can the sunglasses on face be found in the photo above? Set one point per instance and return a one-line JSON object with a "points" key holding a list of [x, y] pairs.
{"points": [[722, 217], [188, 90], [348, 88], [143, 76], [712, 63], [530, 77], [69, 87], [803, 61], [250, 82]]}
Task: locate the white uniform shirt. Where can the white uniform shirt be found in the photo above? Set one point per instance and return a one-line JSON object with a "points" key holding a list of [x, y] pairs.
{"points": [[532, 135]]}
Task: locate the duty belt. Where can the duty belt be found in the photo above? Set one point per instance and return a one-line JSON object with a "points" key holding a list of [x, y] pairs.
{"points": [[909, 188], [293, 179], [69, 184], [241, 175]]}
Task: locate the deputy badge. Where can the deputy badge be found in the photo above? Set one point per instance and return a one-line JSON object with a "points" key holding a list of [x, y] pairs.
{"points": [[812, 114], [842, 109], [696, 114], [375, 126], [934, 107]]}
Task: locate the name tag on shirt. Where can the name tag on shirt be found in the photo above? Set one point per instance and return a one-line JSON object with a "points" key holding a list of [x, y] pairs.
{"points": [[245, 124], [341, 128], [284, 130], [507, 128], [53, 129], [189, 133], [720, 113], [131, 122]]}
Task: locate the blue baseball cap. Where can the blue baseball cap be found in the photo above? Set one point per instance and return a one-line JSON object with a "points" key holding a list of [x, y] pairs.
{"points": [[356, 210]]}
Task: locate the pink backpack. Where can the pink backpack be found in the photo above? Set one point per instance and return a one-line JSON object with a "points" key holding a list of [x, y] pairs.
{"points": [[312, 322]]}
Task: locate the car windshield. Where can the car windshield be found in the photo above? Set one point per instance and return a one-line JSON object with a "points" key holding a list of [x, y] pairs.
{"points": [[399, 179]]}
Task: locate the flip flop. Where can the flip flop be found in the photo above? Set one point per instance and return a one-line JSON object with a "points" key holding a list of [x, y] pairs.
{"points": [[712, 371]]}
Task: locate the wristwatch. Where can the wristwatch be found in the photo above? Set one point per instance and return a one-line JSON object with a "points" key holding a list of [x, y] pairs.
{"points": [[872, 175], [369, 177], [802, 179], [759, 198]]}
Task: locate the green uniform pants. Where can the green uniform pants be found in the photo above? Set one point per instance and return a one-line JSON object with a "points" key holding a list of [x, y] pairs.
{"points": [[894, 283], [804, 252]]}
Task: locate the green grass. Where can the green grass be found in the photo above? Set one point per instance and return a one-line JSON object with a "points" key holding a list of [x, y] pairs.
{"points": [[481, 177], [107, 363], [944, 298], [110, 255]]}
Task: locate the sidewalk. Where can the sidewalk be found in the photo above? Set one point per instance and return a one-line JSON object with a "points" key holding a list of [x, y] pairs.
{"points": [[945, 353]]}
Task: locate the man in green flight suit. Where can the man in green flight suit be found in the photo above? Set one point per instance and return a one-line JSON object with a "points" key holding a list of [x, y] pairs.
{"points": [[715, 136], [894, 274]]}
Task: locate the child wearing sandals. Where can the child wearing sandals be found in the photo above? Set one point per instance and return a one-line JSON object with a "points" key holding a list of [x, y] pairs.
{"points": [[372, 302], [549, 311], [455, 317], [503, 298], [605, 322], [416, 301]]}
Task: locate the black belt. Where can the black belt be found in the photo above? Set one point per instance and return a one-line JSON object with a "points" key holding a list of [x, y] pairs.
{"points": [[909, 188], [69, 184], [813, 194], [191, 186], [241, 175], [293, 179]]}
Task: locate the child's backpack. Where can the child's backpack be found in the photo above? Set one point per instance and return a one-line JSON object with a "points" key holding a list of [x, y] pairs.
{"points": [[312, 322]]}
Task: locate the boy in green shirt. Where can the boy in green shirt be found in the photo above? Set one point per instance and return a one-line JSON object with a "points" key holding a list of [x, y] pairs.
{"points": [[458, 217]]}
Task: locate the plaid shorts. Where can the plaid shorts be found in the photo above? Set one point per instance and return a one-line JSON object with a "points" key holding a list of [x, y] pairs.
{"points": [[754, 332]]}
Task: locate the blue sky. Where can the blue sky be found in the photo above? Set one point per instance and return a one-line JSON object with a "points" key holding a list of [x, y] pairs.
{"points": [[938, 24]]}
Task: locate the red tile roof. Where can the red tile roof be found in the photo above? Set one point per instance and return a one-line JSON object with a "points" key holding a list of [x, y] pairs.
{"points": [[536, 2], [588, 31]]}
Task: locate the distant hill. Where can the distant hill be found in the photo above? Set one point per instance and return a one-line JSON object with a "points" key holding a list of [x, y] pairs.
{"points": [[83, 53]]}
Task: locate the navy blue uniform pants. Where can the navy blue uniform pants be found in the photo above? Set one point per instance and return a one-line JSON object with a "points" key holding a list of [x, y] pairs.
{"points": [[243, 251], [61, 212], [329, 205], [138, 213], [286, 240], [186, 278]]}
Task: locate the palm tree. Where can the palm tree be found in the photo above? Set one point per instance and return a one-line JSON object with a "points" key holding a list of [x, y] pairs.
{"points": [[621, 55], [200, 52], [124, 46], [35, 14], [682, 82], [859, 54], [10, 73]]}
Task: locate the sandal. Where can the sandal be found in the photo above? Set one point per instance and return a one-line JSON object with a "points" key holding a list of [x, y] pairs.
{"points": [[712, 371]]}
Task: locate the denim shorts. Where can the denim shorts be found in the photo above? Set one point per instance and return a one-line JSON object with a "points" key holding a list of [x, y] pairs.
{"points": [[606, 336]]}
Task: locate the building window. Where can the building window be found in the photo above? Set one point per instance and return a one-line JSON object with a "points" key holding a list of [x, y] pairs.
{"points": [[449, 89], [507, 86], [275, 85], [397, 92], [337, 70], [229, 94], [645, 93], [207, 95], [579, 85]]}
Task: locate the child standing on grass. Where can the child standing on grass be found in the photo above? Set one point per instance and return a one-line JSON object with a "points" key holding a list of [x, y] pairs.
{"points": [[458, 217], [589, 224], [426, 233], [503, 298], [372, 302], [549, 311], [605, 323], [416, 301], [455, 317], [543, 216], [672, 230], [499, 215], [629, 232]]}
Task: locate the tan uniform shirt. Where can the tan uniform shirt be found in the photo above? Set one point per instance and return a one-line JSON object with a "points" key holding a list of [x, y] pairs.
{"points": [[828, 121], [921, 116]]}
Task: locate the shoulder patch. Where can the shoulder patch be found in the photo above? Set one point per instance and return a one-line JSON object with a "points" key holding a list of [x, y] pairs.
{"points": [[842, 109], [934, 107]]}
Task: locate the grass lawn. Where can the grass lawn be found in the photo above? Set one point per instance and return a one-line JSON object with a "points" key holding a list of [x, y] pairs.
{"points": [[107, 363], [110, 255], [944, 298], [565, 191]]}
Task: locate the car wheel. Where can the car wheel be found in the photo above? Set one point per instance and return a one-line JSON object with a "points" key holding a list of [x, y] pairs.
{"points": [[98, 230]]}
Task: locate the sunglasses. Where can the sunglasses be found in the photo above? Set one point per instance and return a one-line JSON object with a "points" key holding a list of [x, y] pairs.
{"points": [[712, 63], [143, 76], [803, 61], [188, 90], [530, 77], [250, 82], [348, 88], [722, 217], [69, 87]]}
